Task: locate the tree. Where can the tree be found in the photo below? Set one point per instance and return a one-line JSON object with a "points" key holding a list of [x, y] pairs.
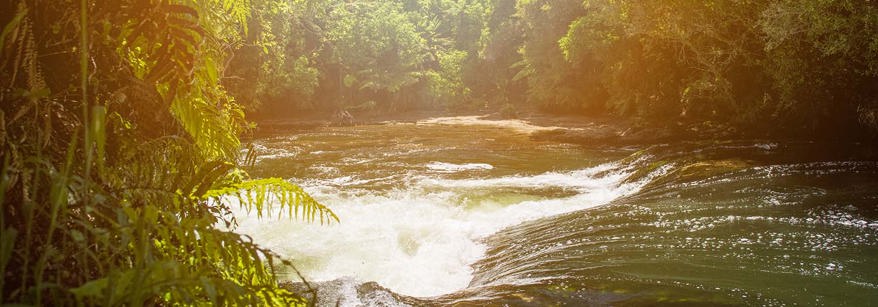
{"points": [[552, 82], [274, 67], [823, 60], [375, 50]]}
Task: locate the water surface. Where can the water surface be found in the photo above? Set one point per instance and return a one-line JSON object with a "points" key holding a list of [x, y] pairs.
{"points": [[462, 210]]}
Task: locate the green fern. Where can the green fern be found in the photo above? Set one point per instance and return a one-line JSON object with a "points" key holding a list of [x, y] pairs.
{"points": [[263, 194], [142, 229]]}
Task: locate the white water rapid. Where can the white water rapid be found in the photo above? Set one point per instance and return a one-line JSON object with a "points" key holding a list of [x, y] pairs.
{"points": [[421, 240]]}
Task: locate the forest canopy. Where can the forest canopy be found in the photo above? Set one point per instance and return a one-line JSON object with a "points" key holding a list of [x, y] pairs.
{"points": [[794, 66], [96, 95]]}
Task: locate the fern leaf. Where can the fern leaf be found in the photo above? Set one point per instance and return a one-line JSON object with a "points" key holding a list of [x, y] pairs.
{"points": [[264, 194]]}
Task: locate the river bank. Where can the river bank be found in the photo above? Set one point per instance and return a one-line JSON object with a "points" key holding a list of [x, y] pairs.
{"points": [[573, 129], [570, 129]]}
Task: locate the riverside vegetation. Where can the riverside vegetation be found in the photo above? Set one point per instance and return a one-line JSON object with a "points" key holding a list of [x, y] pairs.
{"points": [[121, 155], [120, 121]]}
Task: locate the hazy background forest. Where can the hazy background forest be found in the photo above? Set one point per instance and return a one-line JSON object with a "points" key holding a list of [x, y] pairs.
{"points": [[794, 67], [120, 121]]}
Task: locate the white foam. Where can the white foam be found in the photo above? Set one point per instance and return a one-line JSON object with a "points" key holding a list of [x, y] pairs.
{"points": [[513, 124], [421, 241], [268, 153], [583, 180], [451, 167]]}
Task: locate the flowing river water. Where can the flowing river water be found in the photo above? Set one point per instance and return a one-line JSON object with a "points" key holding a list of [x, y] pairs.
{"points": [[476, 212]]}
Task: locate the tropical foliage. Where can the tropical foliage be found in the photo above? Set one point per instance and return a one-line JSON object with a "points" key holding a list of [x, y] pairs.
{"points": [[793, 67], [121, 158], [367, 55]]}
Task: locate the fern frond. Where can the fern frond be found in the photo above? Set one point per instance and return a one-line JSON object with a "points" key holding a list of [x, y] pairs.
{"points": [[209, 128], [264, 194], [198, 265]]}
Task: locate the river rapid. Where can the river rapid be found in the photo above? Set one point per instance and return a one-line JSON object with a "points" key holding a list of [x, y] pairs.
{"points": [[477, 212]]}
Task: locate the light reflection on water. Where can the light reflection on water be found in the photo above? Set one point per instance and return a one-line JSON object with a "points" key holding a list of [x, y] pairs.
{"points": [[424, 208]]}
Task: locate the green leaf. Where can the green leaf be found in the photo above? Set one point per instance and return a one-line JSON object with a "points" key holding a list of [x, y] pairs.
{"points": [[76, 235], [90, 289], [7, 244], [98, 132], [263, 194], [19, 15]]}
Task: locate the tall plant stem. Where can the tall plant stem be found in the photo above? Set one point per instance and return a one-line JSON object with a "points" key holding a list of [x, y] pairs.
{"points": [[83, 70]]}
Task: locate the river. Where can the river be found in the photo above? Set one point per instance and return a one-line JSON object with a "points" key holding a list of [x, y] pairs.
{"points": [[470, 211]]}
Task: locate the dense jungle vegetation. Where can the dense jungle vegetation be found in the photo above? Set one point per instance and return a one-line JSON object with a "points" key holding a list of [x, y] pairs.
{"points": [[781, 67], [120, 120]]}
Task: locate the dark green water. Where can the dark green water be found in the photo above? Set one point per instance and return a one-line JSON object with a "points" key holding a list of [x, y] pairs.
{"points": [[481, 214], [730, 224]]}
